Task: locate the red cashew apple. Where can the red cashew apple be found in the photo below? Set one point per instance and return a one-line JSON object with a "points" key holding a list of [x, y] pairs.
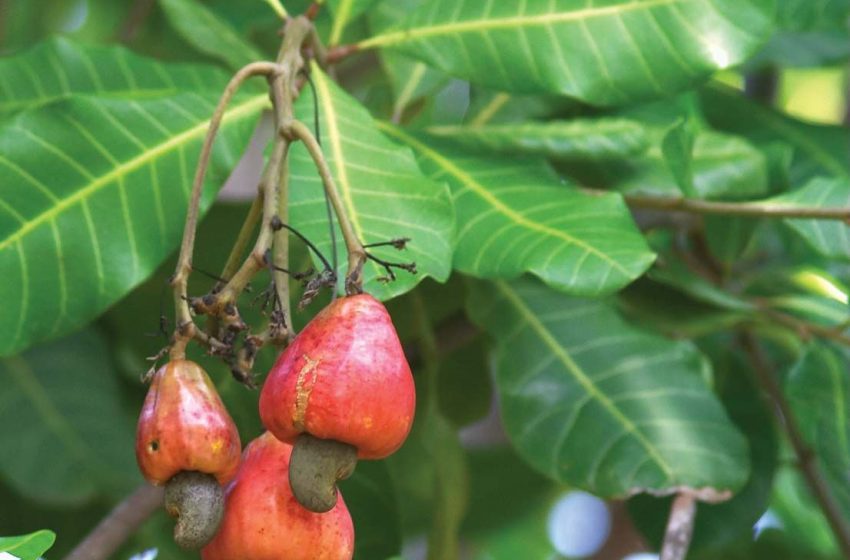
{"points": [[186, 440], [263, 521], [342, 390]]}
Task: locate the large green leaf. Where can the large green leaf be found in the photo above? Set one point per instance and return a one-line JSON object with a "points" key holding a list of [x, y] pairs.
{"points": [[384, 192], [818, 149], [209, 33], [604, 53], [93, 198], [597, 404], [830, 238], [818, 389], [28, 547], [516, 216], [64, 433], [60, 67], [599, 138]]}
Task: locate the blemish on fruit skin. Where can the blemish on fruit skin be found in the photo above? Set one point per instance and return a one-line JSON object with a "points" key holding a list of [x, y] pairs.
{"points": [[367, 422], [302, 391], [217, 445]]}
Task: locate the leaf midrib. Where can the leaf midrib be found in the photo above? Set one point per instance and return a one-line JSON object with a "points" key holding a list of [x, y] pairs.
{"points": [[512, 22], [497, 204], [246, 107], [582, 378]]}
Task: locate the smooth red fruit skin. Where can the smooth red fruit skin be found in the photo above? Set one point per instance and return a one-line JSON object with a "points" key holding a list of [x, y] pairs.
{"points": [[344, 377], [263, 521], [184, 426]]}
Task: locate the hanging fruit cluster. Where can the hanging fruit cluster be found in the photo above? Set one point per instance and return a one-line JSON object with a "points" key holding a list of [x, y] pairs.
{"points": [[340, 391]]}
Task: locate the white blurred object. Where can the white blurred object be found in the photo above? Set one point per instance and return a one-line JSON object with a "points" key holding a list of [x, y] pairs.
{"points": [[767, 521], [148, 554], [579, 524], [641, 556]]}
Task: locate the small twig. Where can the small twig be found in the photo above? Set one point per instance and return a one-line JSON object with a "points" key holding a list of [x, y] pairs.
{"points": [[184, 263], [280, 254], [806, 459], [356, 253], [119, 524], [399, 243], [389, 266], [744, 209], [680, 527]]}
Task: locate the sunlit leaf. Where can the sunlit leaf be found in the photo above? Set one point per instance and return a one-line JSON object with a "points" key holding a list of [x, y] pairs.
{"points": [[649, 48], [595, 403], [344, 12], [385, 194], [28, 547], [60, 67], [514, 216], [93, 199]]}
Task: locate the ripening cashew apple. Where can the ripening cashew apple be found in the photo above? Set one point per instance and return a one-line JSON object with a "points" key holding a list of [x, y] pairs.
{"points": [[341, 391], [263, 521], [186, 440]]}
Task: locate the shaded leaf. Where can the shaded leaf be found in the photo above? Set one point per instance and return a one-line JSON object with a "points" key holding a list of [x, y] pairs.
{"points": [[818, 149], [818, 389], [677, 146], [605, 407], [830, 238], [650, 48], [728, 237], [516, 216], [722, 166], [370, 497], [64, 432], [208, 33], [59, 68], [93, 199], [344, 12], [385, 194], [28, 547], [599, 138], [674, 273]]}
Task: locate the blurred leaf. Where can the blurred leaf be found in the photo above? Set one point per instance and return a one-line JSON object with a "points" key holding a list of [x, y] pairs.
{"points": [[814, 308], [94, 198], [810, 33], [516, 216], [802, 520], [371, 499], [382, 188], [728, 237], [830, 238], [674, 273], [497, 107], [208, 33], [28, 547], [525, 537], [605, 407], [555, 47], [59, 68], [722, 166], [464, 388], [599, 138], [677, 146], [818, 389], [718, 525], [65, 435], [818, 149], [345, 11]]}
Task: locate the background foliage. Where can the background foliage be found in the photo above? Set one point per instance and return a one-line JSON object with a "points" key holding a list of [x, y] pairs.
{"points": [[535, 153]]}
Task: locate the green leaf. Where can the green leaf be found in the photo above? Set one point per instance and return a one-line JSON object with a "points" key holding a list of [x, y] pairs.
{"points": [[28, 547], [728, 237], [649, 48], [371, 500], [516, 216], [594, 138], [384, 192], [723, 167], [597, 404], [464, 387], [208, 33], [344, 12], [93, 199], [818, 389], [830, 238], [676, 274], [810, 33], [64, 433], [59, 68], [678, 149], [818, 149]]}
